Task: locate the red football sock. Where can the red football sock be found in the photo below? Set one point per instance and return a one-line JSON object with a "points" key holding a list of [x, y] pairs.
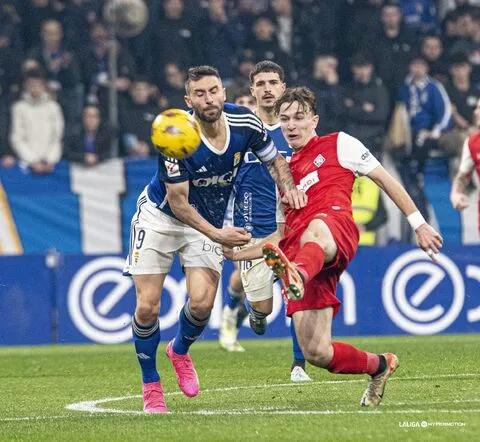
{"points": [[310, 260], [350, 360]]}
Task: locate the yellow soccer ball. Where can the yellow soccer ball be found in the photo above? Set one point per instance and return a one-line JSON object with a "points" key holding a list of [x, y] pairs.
{"points": [[175, 133]]}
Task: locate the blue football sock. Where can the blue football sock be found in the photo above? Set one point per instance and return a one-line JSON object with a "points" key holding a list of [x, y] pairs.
{"points": [[233, 298], [298, 357], [189, 329], [146, 339]]}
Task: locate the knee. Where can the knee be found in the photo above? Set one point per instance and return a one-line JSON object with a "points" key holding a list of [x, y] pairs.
{"points": [[318, 354], [201, 308], [146, 311], [264, 306]]}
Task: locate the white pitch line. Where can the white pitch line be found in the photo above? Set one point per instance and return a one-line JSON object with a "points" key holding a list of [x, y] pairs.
{"points": [[91, 406]]}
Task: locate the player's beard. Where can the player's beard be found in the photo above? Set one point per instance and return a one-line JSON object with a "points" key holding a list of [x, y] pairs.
{"points": [[211, 118]]}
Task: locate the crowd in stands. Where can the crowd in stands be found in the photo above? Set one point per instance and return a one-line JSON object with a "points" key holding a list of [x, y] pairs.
{"points": [[400, 75]]}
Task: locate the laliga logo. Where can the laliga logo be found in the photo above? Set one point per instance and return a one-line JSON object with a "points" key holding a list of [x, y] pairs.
{"points": [[92, 318], [405, 311]]}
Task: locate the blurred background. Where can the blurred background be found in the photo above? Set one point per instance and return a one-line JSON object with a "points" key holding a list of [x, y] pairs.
{"points": [[77, 98]]}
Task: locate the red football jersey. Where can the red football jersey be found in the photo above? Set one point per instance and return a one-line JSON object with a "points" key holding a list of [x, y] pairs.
{"points": [[471, 160], [325, 170]]}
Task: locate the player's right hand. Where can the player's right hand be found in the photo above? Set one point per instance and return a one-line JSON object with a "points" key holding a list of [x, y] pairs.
{"points": [[232, 236], [429, 240], [459, 200], [295, 198]]}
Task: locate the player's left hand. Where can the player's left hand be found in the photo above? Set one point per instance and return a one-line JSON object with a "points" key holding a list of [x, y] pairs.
{"points": [[429, 240], [295, 198]]}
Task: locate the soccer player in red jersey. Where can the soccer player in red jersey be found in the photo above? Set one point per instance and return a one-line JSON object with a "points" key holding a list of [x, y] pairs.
{"points": [[469, 162], [321, 239]]}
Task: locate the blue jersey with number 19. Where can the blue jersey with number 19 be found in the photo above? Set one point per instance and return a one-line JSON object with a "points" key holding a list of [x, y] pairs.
{"points": [[255, 200], [210, 172]]}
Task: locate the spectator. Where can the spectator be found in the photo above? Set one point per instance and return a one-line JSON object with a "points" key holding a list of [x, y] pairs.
{"points": [[429, 110], [245, 98], [216, 40], [369, 212], [392, 48], [462, 93], [33, 13], [432, 51], [76, 16], [470, 43], [95, 68], [37, 126], [173, 90], [136, 119], [263, 45], [463, 97], [366, 105], [243, 17], [173, 37], [284, 24], [92, 145], [420, 15], [7, 159], [326, 86], [362, 19], [315, 24], [241, 79], [62, 69]]}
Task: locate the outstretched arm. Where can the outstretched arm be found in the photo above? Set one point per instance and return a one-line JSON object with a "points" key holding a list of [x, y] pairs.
{"points": [[280, 172], [177, 195], [254, 251], [427, 238]]}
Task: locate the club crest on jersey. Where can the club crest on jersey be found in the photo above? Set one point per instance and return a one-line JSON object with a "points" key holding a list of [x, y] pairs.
{"points": [[319, 160], [173, 169], [236, 159]]}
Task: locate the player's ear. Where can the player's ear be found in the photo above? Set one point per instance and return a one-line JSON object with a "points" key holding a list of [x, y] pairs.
{"points": [[224, 94], [315, 120], [284, 86], [188, 101]]}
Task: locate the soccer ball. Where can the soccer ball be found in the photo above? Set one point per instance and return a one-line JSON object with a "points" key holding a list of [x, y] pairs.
{"points": [[175, 133]]}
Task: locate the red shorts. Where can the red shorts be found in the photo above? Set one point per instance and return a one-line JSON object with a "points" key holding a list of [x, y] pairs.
{"points": [[320, 291]]}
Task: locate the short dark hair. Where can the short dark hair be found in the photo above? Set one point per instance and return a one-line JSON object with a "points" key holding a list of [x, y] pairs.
{"points": [[198, 72], [305, 97], [267, 66]]}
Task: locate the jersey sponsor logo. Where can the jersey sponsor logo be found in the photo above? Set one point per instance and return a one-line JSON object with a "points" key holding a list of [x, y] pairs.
{"points": [[211, 248], [202, 169], [308, 181], [222, 180], [365, 155], [172, 166], [319, 160]]}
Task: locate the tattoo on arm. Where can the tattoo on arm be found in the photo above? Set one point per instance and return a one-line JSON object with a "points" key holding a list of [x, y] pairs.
{"points": [[280, 172], [460, 183]]}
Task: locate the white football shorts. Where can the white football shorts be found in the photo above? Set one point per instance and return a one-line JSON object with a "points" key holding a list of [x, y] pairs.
{"points": [[155, 237], [257, 278]]}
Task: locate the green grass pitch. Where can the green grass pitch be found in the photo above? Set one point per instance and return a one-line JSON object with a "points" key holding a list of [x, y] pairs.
{"points": [[244, 396]]}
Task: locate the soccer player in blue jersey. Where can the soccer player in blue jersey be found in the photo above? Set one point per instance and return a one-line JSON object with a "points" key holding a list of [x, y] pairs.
{"points": [[181, 211], [255, 209]]}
